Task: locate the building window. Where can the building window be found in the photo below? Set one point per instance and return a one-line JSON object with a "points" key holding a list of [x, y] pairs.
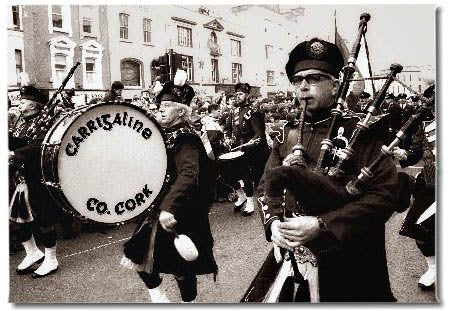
{"points": [[184, 36], [16, 19], [147, 30], [123, 26], [187, 65], [90, 69], [131, 73], [61, 60], [92, 64], [268, 51], [60, 19], [60, 67], [87, 25], [57, 16], [215, 71], [236, 72], [236, 48], [19, 67], [270, 77]]}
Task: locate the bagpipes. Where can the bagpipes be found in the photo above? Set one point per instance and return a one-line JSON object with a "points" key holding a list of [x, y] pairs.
{"points": [[49, 114]]}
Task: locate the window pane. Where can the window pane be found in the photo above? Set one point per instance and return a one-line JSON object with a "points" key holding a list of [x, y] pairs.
{"points": [[57, 21], [56, 9], [146, 30], [18, 54], [16, 20], [86, 25], [60, 59], [89, 67], [184, 36], [130, 73]]}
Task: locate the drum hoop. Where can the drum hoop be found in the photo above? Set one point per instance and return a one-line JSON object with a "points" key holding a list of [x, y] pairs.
{"points": [[62, 199]]}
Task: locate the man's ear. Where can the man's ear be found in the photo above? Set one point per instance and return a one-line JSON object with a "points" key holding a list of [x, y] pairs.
{"points": [[336, 85]]}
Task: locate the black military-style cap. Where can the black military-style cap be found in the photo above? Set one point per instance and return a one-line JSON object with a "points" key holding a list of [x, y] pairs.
{"points": [[390, 96], [70, 92], [175, 93], [365, 95], [117, 85], [31, 93], [242, 87], [315, 54]]}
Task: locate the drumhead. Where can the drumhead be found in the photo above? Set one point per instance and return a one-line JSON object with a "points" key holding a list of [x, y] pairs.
{"points": [[112, 162], [231, 155]]}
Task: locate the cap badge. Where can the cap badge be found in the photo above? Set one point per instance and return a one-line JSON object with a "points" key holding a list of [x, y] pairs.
{"points": [[317, 50]]}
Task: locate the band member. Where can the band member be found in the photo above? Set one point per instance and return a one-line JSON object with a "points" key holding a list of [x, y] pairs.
{"points": [[31, 206], [423, 231], [184, 209], [348, 240], [246, 127], [399, 113], [114, 93]]}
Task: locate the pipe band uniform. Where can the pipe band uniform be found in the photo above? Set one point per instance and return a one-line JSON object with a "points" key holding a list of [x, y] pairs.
{"points": [[301, 210], [175, 238], [245, 129], [31, 206]]}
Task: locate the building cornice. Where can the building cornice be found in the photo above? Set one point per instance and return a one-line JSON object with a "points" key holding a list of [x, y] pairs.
{"points": [[183, 20], [235, 34]]}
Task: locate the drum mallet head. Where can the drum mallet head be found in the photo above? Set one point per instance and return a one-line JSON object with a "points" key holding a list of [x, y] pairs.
{"points": [[185, 247]]}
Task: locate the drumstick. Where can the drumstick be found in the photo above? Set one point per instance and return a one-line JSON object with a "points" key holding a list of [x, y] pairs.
{"points": [[185, 246], [251, 142]]}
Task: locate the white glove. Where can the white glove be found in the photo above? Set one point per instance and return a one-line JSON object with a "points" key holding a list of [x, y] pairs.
{"points": [[277, 253], [400, 154]]}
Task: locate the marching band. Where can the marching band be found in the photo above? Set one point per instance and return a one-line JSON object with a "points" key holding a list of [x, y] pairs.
{"points": [[324, 181]]}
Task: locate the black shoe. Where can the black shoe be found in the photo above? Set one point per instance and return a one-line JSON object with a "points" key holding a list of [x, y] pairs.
{"points": [[29, 269], [246, 214], [238, 208], [425, 287], [38, 276]]}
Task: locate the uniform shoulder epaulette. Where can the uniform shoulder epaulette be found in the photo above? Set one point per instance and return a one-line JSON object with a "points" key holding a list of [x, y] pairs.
{"points": [[250, 112], [173, 136], [278, 131], [350, 114]]}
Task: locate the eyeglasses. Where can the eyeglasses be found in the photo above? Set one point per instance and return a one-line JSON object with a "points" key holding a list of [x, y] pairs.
{"points": [[311, 79]]}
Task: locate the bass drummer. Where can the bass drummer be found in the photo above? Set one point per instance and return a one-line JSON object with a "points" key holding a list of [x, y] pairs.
{"points": [[184, 208], [245, 129]]}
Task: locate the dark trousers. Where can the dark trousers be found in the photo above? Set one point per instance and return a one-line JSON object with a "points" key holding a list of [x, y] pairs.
{"points": [[187, 283], [423, 197], [48, 235]]}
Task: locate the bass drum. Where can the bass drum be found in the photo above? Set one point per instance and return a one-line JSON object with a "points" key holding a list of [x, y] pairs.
{"points": [[106, 163]]}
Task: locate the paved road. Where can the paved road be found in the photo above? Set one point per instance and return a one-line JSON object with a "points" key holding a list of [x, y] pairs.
{"points": [[90, 272]]}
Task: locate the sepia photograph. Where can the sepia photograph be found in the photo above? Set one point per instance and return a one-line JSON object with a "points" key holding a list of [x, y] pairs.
{"points": [[222, 154]]}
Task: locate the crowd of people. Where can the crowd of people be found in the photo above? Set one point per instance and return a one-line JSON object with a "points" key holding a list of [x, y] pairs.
{"points": [[254, 152]]}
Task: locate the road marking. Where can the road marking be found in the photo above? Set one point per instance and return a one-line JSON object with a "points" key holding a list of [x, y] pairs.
{"points": [[96, 247]]}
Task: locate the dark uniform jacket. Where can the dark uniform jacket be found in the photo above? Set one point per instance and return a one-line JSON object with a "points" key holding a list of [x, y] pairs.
{"points": [[28, 164], [351, 255], [245, 124], [109, 96], [188, 198], [398, 117], [422, 147]]}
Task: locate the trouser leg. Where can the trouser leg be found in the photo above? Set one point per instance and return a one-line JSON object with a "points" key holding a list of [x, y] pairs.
{"points": [[187, 286]]}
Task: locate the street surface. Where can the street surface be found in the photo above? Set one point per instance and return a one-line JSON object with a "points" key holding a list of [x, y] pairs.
{"points": [[89, 270]]}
